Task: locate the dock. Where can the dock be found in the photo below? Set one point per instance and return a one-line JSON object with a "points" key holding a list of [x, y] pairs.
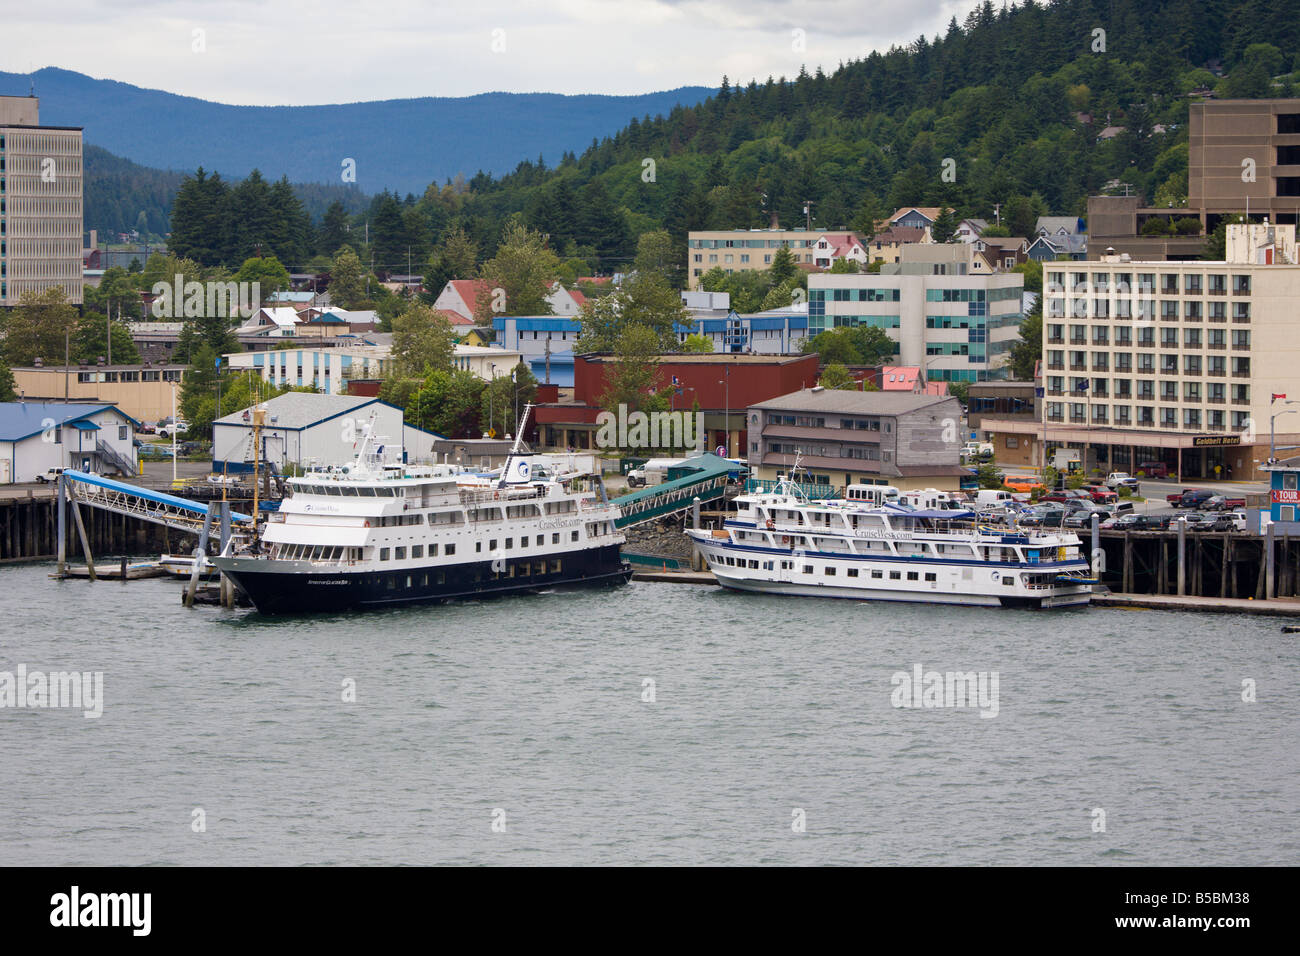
{"points": [[115, 572], [675, 577], [1277, 607]]}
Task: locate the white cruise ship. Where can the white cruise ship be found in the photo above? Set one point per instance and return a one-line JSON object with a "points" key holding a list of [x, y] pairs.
{"points": [[868, 549], [378, 534]]}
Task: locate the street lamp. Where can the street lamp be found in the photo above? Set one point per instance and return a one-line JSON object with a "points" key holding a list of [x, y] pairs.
{"points": [[1272, 436], [726, 419]]}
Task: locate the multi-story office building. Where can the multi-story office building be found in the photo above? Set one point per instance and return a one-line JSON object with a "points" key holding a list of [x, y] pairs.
{"points": [[846, 437], [1176, 362], [956, 324], [746, 250], [40, 203]]}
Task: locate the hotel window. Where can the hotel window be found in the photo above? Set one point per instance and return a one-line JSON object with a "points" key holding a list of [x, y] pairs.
{"points": [[1168, 391], [1240, 419], [1123, 335], [1169, 284], [1191, 338], [1214, 419], [1191, 365], [1241, 338], [1168, 418], [1168, 309], [1192, 311], [1192, 285], [1218, 312], [1218, 285], [1241, 285], [1241, 311], [1169, 338], [1241, 394], [1241, 368], [1146, 338], [1191, 418], [1191, 391]]}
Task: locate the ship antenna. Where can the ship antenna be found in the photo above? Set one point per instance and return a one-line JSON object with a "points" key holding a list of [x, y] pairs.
{"points": [[514, 449]]}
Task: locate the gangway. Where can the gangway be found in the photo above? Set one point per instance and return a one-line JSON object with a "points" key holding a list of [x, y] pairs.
{"points": [[705, 477], [123, 498]]}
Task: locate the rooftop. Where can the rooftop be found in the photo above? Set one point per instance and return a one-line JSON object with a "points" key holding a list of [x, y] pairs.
{"points": [[19, 420], [302, 409], [709, 358], [854, 402]]}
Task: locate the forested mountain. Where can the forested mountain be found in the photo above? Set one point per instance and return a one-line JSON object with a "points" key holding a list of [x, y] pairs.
{"points": [[401, 144], [1007, 108]]}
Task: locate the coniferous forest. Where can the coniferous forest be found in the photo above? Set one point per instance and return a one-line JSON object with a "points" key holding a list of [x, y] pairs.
{"points": [[1006, 108]]}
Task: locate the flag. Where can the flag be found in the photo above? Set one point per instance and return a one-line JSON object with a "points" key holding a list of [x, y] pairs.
{"points": [[1276, 397]]}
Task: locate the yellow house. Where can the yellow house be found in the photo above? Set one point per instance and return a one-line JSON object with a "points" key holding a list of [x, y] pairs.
{"points": [[477, 337]]}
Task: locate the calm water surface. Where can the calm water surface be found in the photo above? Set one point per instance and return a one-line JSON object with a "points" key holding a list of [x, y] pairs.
{"points": [[533, 705]]}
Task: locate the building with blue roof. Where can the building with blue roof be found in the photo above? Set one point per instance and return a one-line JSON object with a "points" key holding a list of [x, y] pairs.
{"points": [[38, 436]]}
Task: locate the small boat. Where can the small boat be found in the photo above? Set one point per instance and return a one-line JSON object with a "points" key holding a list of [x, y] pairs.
{"points": [[182, 566]]}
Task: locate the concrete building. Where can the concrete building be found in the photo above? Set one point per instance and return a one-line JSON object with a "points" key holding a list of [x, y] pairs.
{"points": [[1244, 154], [771, 332], [955, 322], [323, 368], [989, 403], [745, 250], [486, 362], [847, 437], [1172, 362], [542, 340], [40, 204], [38, 436], [141, 392], [304, 429], [1115, 226]]}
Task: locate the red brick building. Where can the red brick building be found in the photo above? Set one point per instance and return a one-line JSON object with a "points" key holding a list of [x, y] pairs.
{"points": [[722, 384]]}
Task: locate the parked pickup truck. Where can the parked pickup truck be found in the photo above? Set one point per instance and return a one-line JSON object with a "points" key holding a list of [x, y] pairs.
{"points": [[1099, 493], [1189, 498], [1223, 503], [1116, 479]]}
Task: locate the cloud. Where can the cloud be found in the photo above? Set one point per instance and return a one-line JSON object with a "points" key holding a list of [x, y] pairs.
{"points": [[295, 52]]}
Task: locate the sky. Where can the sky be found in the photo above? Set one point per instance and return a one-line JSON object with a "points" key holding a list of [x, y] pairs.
{"points": [[303, 52]]}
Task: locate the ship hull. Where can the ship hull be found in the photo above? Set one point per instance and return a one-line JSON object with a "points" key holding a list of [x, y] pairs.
{"points": [[292, 590]]}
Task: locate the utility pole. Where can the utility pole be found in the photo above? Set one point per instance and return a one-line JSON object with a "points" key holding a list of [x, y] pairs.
{"points": [[807, 214]]}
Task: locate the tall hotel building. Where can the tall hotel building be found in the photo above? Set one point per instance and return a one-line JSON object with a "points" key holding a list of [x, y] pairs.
{"points": [[40, 203], [1175, 362]]}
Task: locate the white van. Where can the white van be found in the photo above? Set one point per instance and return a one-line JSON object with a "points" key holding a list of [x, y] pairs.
{"points": [[987, 497]]}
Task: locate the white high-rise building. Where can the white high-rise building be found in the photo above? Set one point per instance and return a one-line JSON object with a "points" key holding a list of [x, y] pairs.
{"points": [[40, 203]]}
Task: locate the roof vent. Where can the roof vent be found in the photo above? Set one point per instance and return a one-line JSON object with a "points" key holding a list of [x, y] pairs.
{"points": [[819, 388]]}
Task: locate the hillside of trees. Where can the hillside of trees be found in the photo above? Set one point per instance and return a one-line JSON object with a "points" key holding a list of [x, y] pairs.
{"points": [[1005, 108]]}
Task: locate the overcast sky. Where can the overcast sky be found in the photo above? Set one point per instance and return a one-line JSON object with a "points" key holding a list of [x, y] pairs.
{"points": [[297, 52]]}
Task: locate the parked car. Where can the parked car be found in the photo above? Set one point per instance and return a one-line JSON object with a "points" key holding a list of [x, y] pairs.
{"points": [[1224, 503], [1193, 518], [144, 428], [1137, 522], [1045, 518], [1099, 493], [1153, 469], [50, 476], [1082, 517], [1066, 494], [1118, 479], [1189, 498]]}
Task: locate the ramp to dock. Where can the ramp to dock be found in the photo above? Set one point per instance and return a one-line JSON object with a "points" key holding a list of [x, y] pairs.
{"points": [[123, 498], [704, 477]]}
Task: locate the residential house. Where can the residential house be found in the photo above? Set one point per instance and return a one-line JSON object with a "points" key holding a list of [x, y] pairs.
{"points": [[968, 230], [839, 245], [461, 296]]}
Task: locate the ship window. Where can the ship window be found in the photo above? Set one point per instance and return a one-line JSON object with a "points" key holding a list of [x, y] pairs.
{"points": [[366, 492], [510, 543], [852, 572], [575, 536], [442, 577], [555, 538], [1008, 581], [433, 551], [753, 565], [539, 568], [807, 569], [913, 576], [830, 572], [451, 549], [408, 580], [930, 576], [877, 574], [492, 545], [383, 554], [767, 565], [555, 566], [400, 553], [895, 575], [392, 584]]}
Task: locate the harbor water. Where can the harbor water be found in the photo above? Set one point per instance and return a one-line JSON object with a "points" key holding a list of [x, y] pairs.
{"points": [[656, 723]]}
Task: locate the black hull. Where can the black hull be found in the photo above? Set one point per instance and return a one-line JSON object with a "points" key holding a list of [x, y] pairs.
{"points": [[275, 592]]}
